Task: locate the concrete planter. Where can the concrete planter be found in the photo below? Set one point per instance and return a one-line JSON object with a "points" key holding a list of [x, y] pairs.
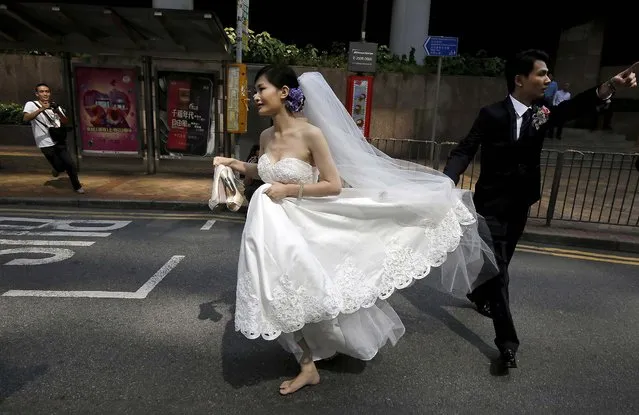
{"points": [[16, 135]]}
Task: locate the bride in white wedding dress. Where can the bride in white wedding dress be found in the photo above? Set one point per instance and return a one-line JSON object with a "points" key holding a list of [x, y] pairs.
{"points": [[337, 227]]}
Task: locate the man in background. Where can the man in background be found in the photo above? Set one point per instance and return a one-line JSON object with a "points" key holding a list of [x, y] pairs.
{"points": [[562, 94], [551, 90], [43, 113]]}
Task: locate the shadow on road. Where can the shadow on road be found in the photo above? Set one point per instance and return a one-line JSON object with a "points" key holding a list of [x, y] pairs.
{"points": [[246, 362], [432, 302], [250, 362], [13, 378], [60, 183]]}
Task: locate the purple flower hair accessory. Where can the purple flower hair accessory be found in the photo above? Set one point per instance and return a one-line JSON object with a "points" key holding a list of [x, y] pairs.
{"points": [[295, 100]]}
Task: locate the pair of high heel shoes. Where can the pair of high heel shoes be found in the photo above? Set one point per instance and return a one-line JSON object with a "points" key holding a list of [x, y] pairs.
{"points": [[227, 189]]}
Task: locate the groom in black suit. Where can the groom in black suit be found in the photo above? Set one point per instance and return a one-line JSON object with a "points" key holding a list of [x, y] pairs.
{"points": [[511, 134]]}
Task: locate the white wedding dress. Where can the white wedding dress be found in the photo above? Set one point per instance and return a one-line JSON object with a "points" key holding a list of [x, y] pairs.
{"points": [[320, 268]]}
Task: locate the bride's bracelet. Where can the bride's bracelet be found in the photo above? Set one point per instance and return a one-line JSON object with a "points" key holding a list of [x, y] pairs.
{"points": [[300, 191]]}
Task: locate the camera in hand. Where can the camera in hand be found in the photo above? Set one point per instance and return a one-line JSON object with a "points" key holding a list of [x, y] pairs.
{"points": [[53, 105]]}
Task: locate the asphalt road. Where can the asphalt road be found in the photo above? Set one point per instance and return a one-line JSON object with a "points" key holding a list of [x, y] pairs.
{"points": [[134, 316]]}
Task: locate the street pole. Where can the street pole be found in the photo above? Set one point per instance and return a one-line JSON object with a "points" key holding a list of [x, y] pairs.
{"points": [[147, 68], [242, 11], [69, 87], [239, 34], [364, 9], [434, 131], [239, 30]]}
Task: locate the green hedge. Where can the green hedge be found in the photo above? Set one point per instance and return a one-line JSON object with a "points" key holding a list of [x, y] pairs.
{"points": [[11, 113], [265, 49]]}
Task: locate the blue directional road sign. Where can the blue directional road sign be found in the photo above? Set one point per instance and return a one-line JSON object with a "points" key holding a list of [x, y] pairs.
{"points": [[441, 46]]}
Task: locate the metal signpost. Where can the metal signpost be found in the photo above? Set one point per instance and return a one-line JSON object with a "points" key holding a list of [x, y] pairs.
{"points": [[241, 31], [241, 42], [441, 47]]}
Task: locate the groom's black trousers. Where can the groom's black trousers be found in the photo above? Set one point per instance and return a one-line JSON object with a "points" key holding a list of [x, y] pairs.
{"points": [[505, 230]]}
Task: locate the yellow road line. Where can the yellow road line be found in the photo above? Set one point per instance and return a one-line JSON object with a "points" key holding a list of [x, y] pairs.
{"points": [[576, 252], [127, 215], [582, 257], [18, 154], [94, 212]]}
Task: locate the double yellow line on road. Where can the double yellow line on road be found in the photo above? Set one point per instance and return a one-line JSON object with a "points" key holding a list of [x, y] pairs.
{"points": [[583, 255], [121, 214]]}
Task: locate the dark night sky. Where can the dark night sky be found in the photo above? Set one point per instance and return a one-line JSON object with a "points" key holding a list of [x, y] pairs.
{"points": [[341, 21], [479, 25]]}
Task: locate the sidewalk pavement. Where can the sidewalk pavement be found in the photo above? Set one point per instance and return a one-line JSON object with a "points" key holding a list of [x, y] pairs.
{"points": [[108, 182], [26, 180]]}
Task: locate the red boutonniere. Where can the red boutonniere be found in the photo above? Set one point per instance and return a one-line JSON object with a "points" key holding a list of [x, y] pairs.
{"points": [[540, 116]]}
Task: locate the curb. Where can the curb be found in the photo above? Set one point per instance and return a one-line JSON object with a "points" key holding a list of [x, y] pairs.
{"points": [[543, 237], [609, 244]]}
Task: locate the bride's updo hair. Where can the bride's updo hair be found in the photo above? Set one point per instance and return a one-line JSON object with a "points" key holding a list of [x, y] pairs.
{"points": [[280, 76]]}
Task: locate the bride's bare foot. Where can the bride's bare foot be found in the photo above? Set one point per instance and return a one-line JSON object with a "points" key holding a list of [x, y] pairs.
{"points": [[306, 377]]}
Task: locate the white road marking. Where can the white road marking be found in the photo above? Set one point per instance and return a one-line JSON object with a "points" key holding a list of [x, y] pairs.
{"points": [[141, 293], [73, 294], [62, 224], [56, 233], [42, 222], [159, 276], [44, 243], [68, 225], [208, 225], [23, 226], [56, 254]]}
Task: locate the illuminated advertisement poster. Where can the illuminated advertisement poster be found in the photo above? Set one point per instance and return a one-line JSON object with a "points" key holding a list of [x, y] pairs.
{"points": [[359, 101], [186, 108], [107, 109]]}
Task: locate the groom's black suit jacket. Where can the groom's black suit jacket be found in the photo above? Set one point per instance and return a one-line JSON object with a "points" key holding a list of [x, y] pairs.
{"points": [[510, 168]]}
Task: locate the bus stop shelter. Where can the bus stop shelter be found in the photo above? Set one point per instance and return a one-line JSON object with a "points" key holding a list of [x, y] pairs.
{"points": [[141, 82]]}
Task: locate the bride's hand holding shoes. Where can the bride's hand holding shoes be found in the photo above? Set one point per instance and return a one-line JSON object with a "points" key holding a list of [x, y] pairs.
{"points": [[223, 161], [226, 188]]}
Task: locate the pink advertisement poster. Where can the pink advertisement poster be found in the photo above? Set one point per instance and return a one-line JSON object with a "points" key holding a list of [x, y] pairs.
{"points": [[107, 109]]}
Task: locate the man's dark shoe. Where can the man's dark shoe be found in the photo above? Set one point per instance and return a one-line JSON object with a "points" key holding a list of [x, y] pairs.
{"points": [[508, 357]]}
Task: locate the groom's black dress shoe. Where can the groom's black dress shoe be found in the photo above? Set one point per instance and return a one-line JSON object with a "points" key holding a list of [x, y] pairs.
{"points": [[508, 357], [482, 307]]}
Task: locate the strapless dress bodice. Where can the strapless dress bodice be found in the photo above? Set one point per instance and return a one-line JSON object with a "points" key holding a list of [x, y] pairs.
{"points": [[286, 170]]}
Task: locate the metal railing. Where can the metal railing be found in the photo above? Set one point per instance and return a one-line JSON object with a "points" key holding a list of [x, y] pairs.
{"points": [[580, 186]]}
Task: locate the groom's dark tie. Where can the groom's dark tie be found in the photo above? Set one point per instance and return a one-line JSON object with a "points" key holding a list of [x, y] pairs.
{"points": [[525, 123]]}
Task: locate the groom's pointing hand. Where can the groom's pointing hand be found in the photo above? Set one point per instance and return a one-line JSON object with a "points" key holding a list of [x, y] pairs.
{"points": [[627, 78]]}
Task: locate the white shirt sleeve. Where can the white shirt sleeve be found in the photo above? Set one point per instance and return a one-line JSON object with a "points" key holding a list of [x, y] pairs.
{"points": [[29, 107]]}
